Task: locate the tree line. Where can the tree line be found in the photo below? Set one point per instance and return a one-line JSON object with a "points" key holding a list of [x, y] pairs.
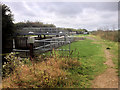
{"points": [[21, 25]]}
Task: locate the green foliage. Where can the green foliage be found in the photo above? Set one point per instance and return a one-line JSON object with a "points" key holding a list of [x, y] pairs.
{"points": [[7, 29], [32, 24], [78, 31], [7, 24], [11, 64], [20, 25], [26, 61]]}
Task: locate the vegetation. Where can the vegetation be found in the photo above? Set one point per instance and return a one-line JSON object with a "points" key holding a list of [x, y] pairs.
{"points": [[109, 35], [11, 64], [85, 51], [77, 69], [78, 31], [56, 71], [43, 72], [32, 24], [114, 50], [111, 39], [20, 25], [7, 29]]}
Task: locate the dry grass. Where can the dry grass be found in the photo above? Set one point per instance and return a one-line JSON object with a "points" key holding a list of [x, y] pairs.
{"points": [[51, 72], [109, 35]]}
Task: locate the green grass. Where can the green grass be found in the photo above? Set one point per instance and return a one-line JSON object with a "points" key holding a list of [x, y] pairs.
{"points": [[86, 61], [92, 58], [114, 51], [80, 35]]}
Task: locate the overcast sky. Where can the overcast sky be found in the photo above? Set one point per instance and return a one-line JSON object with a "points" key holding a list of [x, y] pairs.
{"points": [[88, 15]]}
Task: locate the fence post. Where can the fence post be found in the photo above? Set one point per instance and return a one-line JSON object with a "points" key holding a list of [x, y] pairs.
{"points": [[44, 45], [69, 47], [31, 51], [44, 36], [31, 42], [13, 43]]}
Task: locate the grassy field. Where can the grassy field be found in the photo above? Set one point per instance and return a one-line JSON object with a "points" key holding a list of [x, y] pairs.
{"points": [[91, 56], [86, 61]]}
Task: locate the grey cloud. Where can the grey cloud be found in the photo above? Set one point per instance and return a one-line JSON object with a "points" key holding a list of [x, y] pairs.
{"points": [[15, 6], [72, 9], [60, 8], [77, 7], [19, 8], [69, 9], [67, 14]]}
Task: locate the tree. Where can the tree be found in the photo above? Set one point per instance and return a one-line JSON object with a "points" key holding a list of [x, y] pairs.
{"points": [[7, 29], [21, 25]]}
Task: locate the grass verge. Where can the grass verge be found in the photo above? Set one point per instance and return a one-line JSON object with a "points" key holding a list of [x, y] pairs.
{"points": [[85, 62], [114, 50]]}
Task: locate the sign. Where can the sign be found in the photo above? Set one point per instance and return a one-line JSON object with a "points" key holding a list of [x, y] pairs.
{"points": [[31, 40]]}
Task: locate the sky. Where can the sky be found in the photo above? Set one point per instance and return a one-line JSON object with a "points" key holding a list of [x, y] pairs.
{"points": [[87, 15]]}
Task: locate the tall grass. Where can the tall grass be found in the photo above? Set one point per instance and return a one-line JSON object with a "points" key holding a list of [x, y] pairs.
{"points": [[56, 71], [109, 35], [50, 72]]}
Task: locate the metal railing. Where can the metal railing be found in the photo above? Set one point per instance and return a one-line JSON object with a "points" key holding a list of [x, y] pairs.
{"points": [[42, 30], [49, 44]]}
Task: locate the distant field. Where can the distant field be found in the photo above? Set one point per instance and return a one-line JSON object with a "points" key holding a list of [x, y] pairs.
{"points": [[108, 35]]}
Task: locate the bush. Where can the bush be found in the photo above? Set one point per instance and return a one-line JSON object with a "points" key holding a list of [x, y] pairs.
{"points": [[109, 35], [50, 72], [11, 64]]}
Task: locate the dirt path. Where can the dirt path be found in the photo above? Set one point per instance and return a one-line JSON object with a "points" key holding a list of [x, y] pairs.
{"points": [[91, 38], [109, 78]]}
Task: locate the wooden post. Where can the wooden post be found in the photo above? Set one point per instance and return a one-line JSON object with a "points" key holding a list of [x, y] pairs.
{"points": [[44, 36], [13, 43], [40, 37], [31, 51], [69, 47], [31, 42]]}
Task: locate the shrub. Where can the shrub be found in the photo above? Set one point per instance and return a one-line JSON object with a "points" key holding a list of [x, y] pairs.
{"points": [[109, 35], [51, 72], [11, 64]]}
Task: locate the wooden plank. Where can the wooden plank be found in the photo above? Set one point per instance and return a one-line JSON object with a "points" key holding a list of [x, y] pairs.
{"points": [[18, 50]]}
